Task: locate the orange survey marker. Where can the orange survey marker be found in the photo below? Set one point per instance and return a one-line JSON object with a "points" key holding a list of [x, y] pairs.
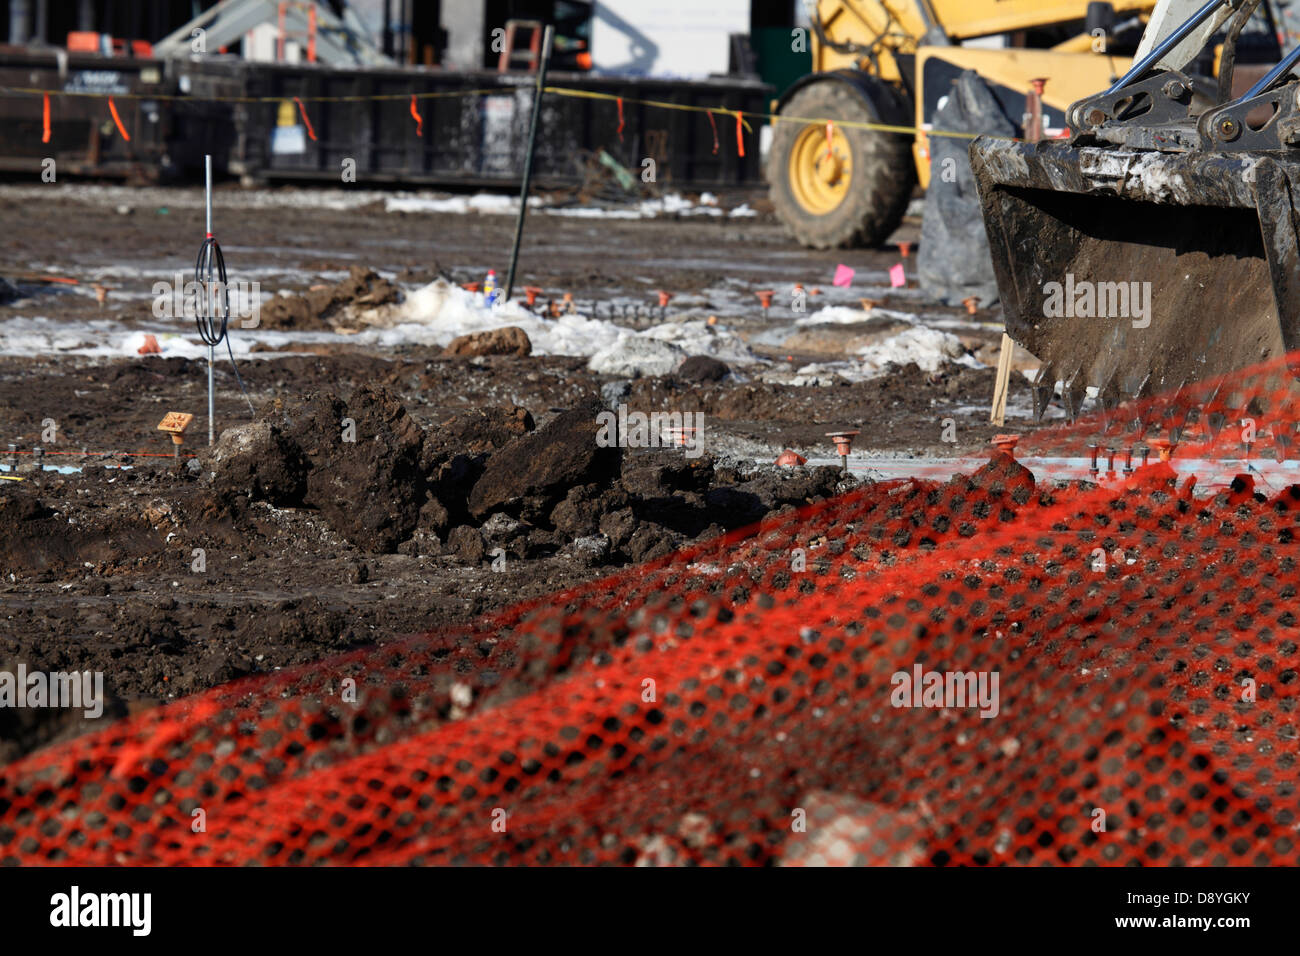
{"points": [[175, 424]]}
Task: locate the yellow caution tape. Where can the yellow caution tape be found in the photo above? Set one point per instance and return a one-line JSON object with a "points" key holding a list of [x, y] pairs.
{"points": [[742, 115]]}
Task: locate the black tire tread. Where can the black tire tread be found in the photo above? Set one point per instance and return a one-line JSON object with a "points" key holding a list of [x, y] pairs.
{"points": [[884, 172]]}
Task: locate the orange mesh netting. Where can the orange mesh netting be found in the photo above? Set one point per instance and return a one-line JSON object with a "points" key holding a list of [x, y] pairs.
{"points": [[734, 703]]}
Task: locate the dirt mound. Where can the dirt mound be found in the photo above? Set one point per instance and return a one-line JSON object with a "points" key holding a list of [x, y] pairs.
{"points": [[330, 307], [363, 465], [485, 482], [259, 462], [357, 462]]}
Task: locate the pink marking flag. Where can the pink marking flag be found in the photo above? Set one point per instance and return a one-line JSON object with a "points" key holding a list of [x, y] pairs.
{"points": [[898, 276], [843, 276]]}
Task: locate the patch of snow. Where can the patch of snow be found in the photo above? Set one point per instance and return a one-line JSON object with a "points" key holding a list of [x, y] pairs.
{"points": [[485, 203], [439, 312], [929, 348], [697, 337], [846, 315], [635, 356]]}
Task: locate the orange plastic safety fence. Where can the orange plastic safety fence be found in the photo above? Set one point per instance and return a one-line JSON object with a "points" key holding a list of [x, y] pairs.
{"points": [[1117, 684]]}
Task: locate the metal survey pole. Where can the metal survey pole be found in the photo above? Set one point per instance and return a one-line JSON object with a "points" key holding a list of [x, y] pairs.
{"points": [[528, 158], [212, 349]]}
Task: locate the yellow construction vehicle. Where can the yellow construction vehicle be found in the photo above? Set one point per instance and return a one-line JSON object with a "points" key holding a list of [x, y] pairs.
{"points": [[890, 62]]}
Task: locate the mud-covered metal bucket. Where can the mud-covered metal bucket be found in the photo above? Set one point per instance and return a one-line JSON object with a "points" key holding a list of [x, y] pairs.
{"points": [[1138, 272]]}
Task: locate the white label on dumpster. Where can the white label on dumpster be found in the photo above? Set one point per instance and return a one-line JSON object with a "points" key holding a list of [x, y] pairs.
{"points": [[288, 139], [102, 82], [684, 38], [498, 133]]}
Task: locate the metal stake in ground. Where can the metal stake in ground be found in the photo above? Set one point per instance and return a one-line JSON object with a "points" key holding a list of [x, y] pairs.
{"points": [[528, 158], [212, 307]]}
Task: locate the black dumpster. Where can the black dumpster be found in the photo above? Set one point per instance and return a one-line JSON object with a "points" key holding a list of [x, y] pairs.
{"points": [[475, 130], [84, 138], [267, 122]]}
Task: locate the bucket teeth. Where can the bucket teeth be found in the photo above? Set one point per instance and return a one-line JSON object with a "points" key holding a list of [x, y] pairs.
{"points": [[1043, 388], [1215, 422], [1074, 394], [1042, 401], [1283, 438]]}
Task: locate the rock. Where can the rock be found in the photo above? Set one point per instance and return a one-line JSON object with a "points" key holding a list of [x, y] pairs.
{"points": [[649, 542], [420, 543], [434, 517], [501, 529], [618, 526], [466, 544], [592, 551], [257, 461], [703, 368], [635, 356], [546, 463], [663, 472], [510, 340], [845, 830], [614, 394], [577, 513]]}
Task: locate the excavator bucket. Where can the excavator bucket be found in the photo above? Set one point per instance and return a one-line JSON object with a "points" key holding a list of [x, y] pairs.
{"points": [[1136, 273], [1158, 246]]}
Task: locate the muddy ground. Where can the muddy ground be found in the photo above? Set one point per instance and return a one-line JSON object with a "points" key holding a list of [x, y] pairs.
{"points": [[100, 569]]}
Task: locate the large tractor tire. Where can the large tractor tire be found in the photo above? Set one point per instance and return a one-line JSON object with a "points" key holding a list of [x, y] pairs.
{"points": [[856, 192]]}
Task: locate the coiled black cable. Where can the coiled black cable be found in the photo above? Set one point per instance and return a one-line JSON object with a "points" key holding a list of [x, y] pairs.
{"points": [[213, 304]]}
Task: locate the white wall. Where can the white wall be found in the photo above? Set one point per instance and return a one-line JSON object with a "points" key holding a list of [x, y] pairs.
{"points": [[683, 38]]}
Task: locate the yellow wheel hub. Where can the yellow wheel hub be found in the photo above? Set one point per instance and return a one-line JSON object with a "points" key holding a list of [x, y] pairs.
{"points": [[821, 169]]}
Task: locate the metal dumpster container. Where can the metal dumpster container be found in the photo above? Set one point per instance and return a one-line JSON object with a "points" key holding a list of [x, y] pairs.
{"points": [[84, 139], [476, 139]]}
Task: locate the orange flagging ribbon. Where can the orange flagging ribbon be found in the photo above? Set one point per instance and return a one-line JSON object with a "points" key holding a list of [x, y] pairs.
{"points": [[740, 134], [419, 121], [45, 131], [302, 111], [112, 108]]}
